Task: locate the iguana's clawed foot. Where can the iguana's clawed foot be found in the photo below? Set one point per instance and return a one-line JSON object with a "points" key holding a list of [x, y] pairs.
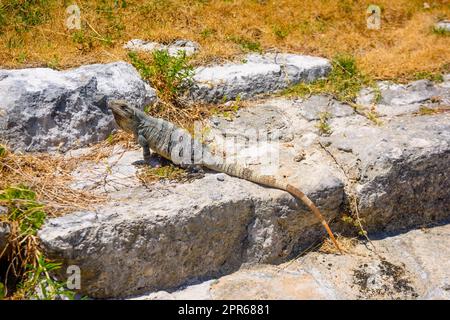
{"points": [[154, 161], [139, 163]]}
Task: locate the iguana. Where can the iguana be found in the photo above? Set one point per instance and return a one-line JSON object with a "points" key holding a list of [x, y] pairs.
{"points": [[166, 139]]}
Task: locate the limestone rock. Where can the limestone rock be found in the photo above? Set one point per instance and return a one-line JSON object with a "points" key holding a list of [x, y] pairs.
{"points": [[408, 266], [397, 99], [42, 109], [170, 234], [187, 46], [257, 74], [443, 25]]}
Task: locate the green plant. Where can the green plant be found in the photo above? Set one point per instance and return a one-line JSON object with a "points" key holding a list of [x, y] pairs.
{"points": [[323, 125], [53, 63], [81, 38], [247, 44], [3, 150], [236, 104], [344, 81], [424, 111], [21, 57], [440, 31], [207, 32], [377, 96], [111, 13], [354, 223], [281, 32], [2, 291], [170, 75], [24, 14], [374, 117], [312, 27], [169, 172], [27, 267], [228, 110], [432, 76]]}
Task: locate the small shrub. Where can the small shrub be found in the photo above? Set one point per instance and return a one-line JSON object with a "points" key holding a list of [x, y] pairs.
{"points": [[281, 32], [323, 125], [344, 81], [3, 151], [247, 44], [208, 32], [170, 75]]}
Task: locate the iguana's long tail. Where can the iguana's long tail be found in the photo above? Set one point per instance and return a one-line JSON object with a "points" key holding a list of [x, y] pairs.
{"points": [[270, 181], [300, 195]]}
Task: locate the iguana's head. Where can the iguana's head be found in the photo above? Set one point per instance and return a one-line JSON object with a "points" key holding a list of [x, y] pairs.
{"points": [[125, 115]]}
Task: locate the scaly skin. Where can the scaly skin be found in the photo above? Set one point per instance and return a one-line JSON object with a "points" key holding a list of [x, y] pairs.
{"points": [[164, 138]]}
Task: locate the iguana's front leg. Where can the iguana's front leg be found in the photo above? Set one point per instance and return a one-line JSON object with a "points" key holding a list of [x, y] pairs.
{"points": [[145, 148], [152, 159]]}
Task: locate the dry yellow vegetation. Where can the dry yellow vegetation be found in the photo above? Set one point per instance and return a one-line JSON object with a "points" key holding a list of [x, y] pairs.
{"points": [[33, 33]]}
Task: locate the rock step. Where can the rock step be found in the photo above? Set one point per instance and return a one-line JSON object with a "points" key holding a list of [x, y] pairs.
{"points": [[410, 265], [257, 74], [146, 240]]}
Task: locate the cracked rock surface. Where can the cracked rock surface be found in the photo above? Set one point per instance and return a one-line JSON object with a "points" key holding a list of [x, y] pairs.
{"points": [[169, 234]]}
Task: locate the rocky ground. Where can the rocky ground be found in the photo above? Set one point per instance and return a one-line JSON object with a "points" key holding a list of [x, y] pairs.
{"points": [[393, 266], [386, 160], [159, 237]]}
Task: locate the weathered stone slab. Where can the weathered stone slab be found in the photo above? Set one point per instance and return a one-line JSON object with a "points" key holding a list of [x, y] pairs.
{"points": [[443, 25], [258, 74], [400, 169], [398, 99], [43, 109], [145, 240], [176, 233], [186, 46], [411, 265]]}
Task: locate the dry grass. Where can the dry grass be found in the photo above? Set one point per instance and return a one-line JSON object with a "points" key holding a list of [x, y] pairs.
{"points": [[49, 176], [404, 46], [345, 243]]}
